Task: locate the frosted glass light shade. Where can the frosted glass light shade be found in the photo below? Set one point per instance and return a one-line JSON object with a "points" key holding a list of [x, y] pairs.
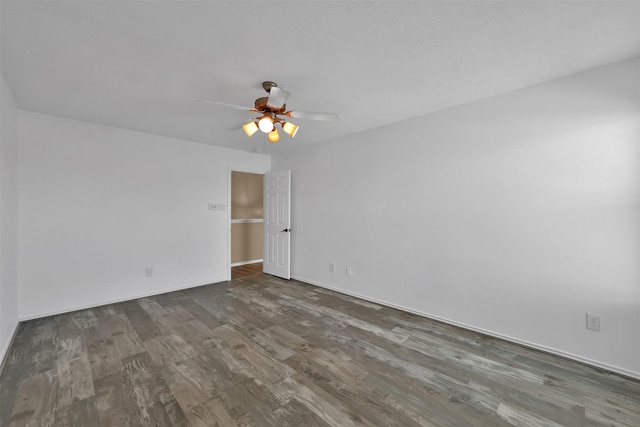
{"points": [[266, 124], [273, 136], [290, 129], [250, 128]]}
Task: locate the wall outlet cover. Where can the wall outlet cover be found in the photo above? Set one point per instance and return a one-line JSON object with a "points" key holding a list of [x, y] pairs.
{"points": [[593, 322]]}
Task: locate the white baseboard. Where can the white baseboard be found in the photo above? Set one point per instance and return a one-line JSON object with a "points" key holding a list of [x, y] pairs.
{"points": [[115, 301], [253, 261], [554, 351], [6, 345]]}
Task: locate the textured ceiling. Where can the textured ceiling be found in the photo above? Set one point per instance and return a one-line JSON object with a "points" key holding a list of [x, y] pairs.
{"points": [[142, 65]]}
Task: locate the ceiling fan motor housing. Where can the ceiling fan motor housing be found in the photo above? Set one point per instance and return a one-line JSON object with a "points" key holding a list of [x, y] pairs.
{"points": [[261, 106]]}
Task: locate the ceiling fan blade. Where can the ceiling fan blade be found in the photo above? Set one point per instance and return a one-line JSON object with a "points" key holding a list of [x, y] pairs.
{"points": [[327, 117], [237, 107], [234, 127], [277, 97]]}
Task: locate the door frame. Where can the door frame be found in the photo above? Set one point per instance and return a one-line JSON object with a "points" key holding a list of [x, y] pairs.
{"points": [[229, 170]]}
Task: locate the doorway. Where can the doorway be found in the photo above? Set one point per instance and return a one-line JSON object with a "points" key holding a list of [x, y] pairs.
{"points": [[247, 224]]}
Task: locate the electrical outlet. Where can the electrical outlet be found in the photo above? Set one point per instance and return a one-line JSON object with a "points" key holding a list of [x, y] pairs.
{"points": [[593, 322], [332, 268], [349, 271], [148, 272]]}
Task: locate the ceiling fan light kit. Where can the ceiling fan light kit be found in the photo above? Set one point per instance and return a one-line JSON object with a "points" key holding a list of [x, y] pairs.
{"points": [[271, 108], [266, 124], [273, 136], [250, 128], [290, 129]]}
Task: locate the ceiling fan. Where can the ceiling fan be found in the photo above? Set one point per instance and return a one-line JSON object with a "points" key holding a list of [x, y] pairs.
{"points": [[273, 111]]}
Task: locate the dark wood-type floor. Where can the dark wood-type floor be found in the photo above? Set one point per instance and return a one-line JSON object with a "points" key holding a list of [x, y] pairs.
{"points": [[267, 352], [247, 270]]}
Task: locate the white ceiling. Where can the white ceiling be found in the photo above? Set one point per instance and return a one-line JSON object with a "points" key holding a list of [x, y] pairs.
{"points": [[142, 65]]}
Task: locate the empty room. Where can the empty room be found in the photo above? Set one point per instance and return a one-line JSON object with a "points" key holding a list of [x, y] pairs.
{"points": [[320, 213]]}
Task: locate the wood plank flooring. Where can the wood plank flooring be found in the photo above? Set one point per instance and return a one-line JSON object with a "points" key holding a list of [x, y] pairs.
{"points": [[262, 351], [247, 270]]}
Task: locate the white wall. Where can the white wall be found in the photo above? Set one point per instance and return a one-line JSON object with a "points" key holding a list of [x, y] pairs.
{"points": [[99, 204], [514, 215], [8, 217]]}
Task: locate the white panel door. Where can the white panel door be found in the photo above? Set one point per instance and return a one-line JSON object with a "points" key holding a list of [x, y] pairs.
{"points": [[277, 223]]}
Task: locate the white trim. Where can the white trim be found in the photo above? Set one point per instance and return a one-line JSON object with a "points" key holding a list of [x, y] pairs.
{"points": [[554, 351], [247, 221], [119, 300], [251, 261], [7, 345], [228, 269]]}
